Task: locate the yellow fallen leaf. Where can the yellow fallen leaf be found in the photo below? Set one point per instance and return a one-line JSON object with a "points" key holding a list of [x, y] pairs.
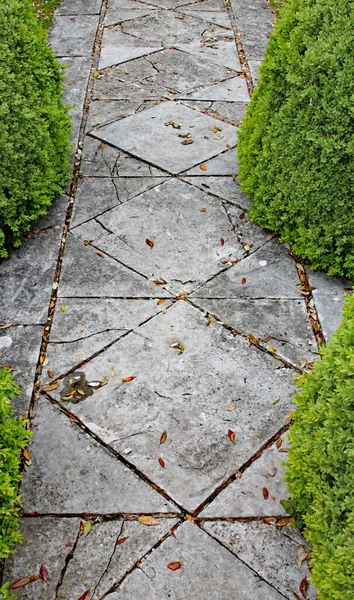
{"points": [[63, 308], [203, 167], [148, 520], [50, 387]]}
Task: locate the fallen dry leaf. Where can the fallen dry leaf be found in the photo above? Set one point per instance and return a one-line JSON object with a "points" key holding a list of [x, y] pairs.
{"points": [[6, 325], [161, 301], [150, 243], [265, 493], [100, 254], [243, 280], [87, 527], [26, 454], [161, 462], [50, 387], [126, 379], [202, 209], [63, 309], [148, 520], [174, 566], [232, 436], [232, 408], [222, 241], [85, 595], [279, 443], [159, 281], [179, 346], [50, 374], [121, 541], [253, 340], [203, 167], [43, 573], [187, 142], [163, 437], [302, 555], [23, 581], [270, 520], [303, 587]]}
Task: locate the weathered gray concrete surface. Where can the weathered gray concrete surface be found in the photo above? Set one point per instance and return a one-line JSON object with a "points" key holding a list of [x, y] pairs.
{"points": [[178, 326]]}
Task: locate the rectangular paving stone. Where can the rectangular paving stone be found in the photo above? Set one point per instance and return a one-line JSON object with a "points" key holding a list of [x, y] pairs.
{"points": [[45, 541], [329, 298], [78, 7], [71, 473], [113, 17], [149, 136], [73, 35], [204, 563], [77, 72], [187, 395]]}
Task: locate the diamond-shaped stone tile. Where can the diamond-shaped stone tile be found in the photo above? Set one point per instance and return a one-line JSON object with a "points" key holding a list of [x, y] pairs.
{"points": [[71, 473], [207, 571], [146, 136], [187, 250], [99, 562], [187, 395], [271, 552]]}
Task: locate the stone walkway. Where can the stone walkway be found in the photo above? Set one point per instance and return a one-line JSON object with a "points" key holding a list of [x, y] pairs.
{"points": [[165, 378]]}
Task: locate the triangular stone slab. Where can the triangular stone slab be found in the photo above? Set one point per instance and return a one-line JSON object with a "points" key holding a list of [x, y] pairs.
{"points": [[233, 90], [71, 473], [186, 394], [224, 164], [203, 562], [116, 55], [113, 17], [216, 17], [223, 187]]}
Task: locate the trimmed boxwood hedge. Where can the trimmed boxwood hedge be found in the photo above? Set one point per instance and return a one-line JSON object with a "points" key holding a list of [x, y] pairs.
{"points": [[320, 470], [296, 144], [34, 123], [13, 437]]}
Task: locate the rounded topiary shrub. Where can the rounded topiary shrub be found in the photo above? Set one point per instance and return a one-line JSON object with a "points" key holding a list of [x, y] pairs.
{"points": [[320, 469], [296, 145], [34, 124]]}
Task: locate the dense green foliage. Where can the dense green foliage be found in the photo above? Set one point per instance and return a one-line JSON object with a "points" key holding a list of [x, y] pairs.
{"points": [[320, 471], [296, 142], [34, 124], [13, 437], [44, 10]]}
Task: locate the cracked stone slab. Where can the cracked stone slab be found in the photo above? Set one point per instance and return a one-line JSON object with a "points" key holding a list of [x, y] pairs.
{"points": [[203, 562], [230, 112], [96, 195], [270, 552], [234, 90], [101, 112], [225, 188], [102, 160], [131, 4], [77, 7], [146, 136], [73, 35], [186, 395], [81, 330], [77, 72], [329, 299], [254, 66], [186, 252], [216, 17], [99, 562], [224, 164], [270, 272], [220, 49], [282, 325], [115, 55], [244, 497], [206, 5], [86, 274], [113, 17], [45, 541], [71, 473], [19, 348]]}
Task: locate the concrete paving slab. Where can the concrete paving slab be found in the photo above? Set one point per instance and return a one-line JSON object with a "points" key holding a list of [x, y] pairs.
{"points": [[234, 90], [113, 17], [78, 7], [99, 562], [46, 541], [71, 473], [245, 497], [225, 188], [77, 72], [269, 272], [217, 17], [268, 550], [329, 299], [149, 136], [115, 55], [73, 35], [207, 5], [224, 164], [202, 560], [131, 4], [187, 395], [193, 248]]}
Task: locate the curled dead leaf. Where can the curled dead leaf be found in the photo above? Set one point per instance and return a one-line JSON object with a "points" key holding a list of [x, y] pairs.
{"points": [[161, 301], [26, 455], [161, 462], [187, 142], [222, 241], [85, 595], [232, 436], [163, 437], [159, 281], [232, 408], [50, 387], [243, 280], [265, 493], [43, 573], [126, 379], [121, 541], [253, 340], [6, 325], [23, 581], [174, 566], [203, 167], [303, 587], [100, 254], [148, 520], [202, 209], [50, 374], [279, 443]]}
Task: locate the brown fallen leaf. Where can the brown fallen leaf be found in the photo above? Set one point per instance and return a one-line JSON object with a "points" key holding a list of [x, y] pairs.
{"points": [[50, 387], [150, 243], [265, 493], [121, 541], [50, 374], [187, 142], [161, 301], [6, 325], [174, 566], [222, 241], [232, 408], [23, 581], [26, 454], [279, 443], [283, 522], [163, 437], [126, 379], [43, 573], [173, 124], [302, 555], [203, 167], [243, 280], [253, 340], [100, 254], [85, 595], [161, 462], [159, 281], [148, 520], [303, 587], [270, 520], [202, 209], [69, 394], [232, 436]]}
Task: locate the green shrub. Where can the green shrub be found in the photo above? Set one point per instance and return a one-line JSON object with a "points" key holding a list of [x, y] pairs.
{"points": [[34, 124], [296, 143], [320, 470]]}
